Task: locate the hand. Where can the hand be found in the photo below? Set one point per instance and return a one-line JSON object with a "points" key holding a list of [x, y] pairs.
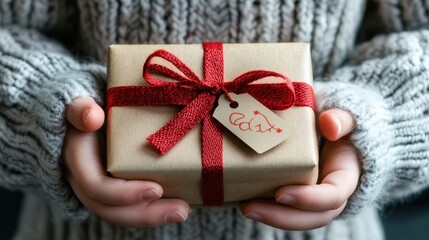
{"points": [[305, 207], [121, 202]]}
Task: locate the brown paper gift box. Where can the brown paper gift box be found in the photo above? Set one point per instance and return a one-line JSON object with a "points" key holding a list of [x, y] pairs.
{"points": [[247, 174]]}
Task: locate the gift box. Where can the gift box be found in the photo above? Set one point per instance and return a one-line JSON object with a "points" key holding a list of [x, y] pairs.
{"points": [[149, 85]]}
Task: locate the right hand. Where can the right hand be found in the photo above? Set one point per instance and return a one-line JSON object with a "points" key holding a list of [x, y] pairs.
{"points": [[126, 203]]}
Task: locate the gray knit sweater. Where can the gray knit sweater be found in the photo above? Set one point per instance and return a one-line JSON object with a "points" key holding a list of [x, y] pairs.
{"points": [[52, 51]]}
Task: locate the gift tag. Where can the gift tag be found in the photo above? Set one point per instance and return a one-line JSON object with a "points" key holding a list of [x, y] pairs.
{"points": [[251, 121]]}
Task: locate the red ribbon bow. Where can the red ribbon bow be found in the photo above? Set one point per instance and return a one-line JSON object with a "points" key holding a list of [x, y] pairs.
{"points": [[199, 97]]}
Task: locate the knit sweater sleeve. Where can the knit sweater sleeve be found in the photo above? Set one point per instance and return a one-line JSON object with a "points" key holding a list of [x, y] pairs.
{"points": [[397, 15], [386, 88], [38, 78]]}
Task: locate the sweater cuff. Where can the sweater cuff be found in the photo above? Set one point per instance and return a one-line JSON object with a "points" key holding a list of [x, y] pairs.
{"points": [[371, 136], [38, 79], [385, 88], [64, 87]]}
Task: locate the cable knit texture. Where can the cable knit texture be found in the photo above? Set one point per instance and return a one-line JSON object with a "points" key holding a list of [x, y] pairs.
{"points": [[386, 88], [383, 83], [37, 80], [403, 15], [330, 26]]}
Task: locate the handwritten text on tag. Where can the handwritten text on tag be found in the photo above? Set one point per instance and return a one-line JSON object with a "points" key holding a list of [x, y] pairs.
{"points": [[252, 122]]}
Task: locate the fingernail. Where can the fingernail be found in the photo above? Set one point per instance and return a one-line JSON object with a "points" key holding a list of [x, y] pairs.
{"points": [[174, 216], [339, 127], [253, 216], [85, 115], [150, 194], [286, 199]]}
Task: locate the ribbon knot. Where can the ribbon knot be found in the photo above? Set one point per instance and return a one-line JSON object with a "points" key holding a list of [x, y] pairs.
{"points": [[206, 90], [218, 89], [181, 86]]}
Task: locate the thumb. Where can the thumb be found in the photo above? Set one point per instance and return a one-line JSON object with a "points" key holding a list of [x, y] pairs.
{"points": [[335, 124], [85, 114]]}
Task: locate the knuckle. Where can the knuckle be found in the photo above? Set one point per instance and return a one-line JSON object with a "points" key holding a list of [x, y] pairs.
{"points": [[337, 203], [90, 190], [106, 216], [151, 219], [330, 216], [101, 211], [129, 195], [335, 197], [325, 221], [145, 222]]}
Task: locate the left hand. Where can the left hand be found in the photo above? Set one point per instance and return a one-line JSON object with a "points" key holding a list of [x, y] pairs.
{"points": [[305, 207]]}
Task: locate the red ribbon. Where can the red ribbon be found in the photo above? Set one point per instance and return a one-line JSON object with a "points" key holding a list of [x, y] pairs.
{"points": [[198, 98]]}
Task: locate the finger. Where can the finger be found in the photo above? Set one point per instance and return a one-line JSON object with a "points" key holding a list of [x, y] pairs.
{"points": [[335, 124], [142, 214], [83, 161], [339, 177], [288, 218], [85, 114]]}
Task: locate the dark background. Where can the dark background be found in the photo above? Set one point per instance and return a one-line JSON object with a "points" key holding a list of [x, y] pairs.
{"points": [[401, 221]]}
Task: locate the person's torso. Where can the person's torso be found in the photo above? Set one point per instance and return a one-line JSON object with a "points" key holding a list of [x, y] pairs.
{"points": [[330, 26]]}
